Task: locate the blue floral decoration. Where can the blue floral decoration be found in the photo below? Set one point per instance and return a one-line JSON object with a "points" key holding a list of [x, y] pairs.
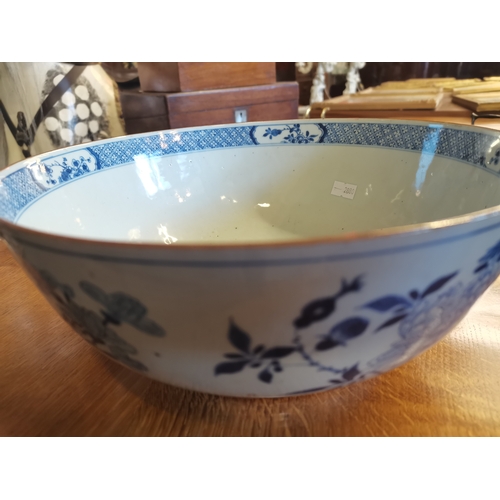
{"points": [[120, 307], [272, 132], [268, 358], [96, 328], [496, 158], [69, 169], [421, 317], [295, 134]]}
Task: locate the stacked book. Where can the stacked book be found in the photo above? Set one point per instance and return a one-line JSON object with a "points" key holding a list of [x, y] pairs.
{"points": [[421, 94], [484, 96]]}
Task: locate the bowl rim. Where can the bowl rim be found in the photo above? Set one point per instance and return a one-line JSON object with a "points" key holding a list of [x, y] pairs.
{"points": [[349, 237]]}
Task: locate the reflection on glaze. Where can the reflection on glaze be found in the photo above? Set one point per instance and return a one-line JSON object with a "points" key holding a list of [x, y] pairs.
{"points": [[79, 222], [149, 174], [228, 199], [264, 205], [168, 239], [398, 196], [38, 173], [428, 151], [134, 234], [494, 145]]}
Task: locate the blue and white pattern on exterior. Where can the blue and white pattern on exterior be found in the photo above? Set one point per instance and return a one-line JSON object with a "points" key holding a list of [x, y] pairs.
{"points": [[99, 328], [22, 187], [420, 318], [413, 320]]}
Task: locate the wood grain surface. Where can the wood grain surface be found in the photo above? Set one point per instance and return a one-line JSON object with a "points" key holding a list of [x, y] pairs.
{"points": [[149, 111], [446, 110], [193, 76], [278, 101], [52, 383]]}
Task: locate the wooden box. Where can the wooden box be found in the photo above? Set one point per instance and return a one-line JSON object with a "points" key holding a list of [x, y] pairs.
{"points": [[189, 77], [147, 112]]}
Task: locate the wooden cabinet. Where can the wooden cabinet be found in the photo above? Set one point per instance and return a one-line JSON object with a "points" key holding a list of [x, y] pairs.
{"points": [[150, 111]]}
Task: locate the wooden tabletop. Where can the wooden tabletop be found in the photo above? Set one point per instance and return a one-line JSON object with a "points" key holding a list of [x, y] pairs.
{"points": [[52, 383]]}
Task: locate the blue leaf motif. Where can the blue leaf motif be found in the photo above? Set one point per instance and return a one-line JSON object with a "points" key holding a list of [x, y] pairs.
{"points": [[306, 391], [315, 311], [493, 252], [150, 327], [349, 328], [272, 132], [121, 307], [258, 349], [480, 268], [402, 309], [233, 356], [391, 322], [240, 339], [436, 285], [388, 302], [266, 376], [230, 367], [320, 309], [351, 373], [342, 332], [355, 286], [89, 324], [278, 352], [326, 344]]}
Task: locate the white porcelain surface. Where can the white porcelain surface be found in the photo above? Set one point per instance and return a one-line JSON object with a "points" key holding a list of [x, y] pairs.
{"points": [[234, 270], [272, 194]]}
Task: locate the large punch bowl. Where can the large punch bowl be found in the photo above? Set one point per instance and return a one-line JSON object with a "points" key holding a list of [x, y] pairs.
{"points": [[262, 259]]}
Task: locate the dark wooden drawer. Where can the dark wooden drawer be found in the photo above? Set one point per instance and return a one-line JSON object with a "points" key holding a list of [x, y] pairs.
{"points": [[147, 112]]}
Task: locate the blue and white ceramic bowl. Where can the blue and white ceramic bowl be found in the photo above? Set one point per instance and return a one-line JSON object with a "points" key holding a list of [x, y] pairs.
{"points": [[264, 259]]}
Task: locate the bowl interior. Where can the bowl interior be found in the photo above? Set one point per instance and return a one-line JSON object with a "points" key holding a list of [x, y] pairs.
{"points": [[264, 191]]}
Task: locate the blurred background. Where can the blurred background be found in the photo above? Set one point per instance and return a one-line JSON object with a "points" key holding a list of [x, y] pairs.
{"points": [[46, 106]]}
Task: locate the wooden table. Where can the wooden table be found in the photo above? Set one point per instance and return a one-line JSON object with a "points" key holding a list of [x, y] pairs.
{"points": [[52, 383]]}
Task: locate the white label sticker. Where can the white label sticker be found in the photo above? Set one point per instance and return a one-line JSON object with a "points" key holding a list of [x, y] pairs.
{"points": [[344, 190]]}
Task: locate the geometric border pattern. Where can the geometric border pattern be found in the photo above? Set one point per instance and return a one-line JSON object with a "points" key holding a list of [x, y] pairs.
{"points": [[20, 188]]}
